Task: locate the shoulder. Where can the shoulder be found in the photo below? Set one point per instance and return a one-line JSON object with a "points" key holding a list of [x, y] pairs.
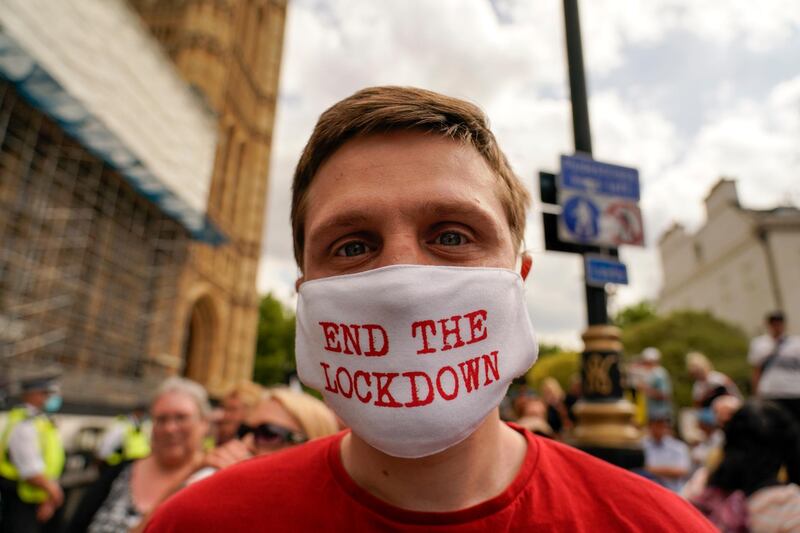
{"points": [[608, 492], [676, 444], [236, 497], [716, 377], [775, 506], [24, 429], [792, 345]]}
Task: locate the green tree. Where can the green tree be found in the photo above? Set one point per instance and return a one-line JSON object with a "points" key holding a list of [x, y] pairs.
{"points": [[549, 349], [274, 359], [556, 362], [634, 314], [684, 331]]}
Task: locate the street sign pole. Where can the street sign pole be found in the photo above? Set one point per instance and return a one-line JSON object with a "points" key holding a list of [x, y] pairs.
{"points": [[605, 420], [596, 304]]}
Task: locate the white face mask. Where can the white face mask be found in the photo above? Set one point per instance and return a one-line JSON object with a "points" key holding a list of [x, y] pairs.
{"points": [[413, 358]]}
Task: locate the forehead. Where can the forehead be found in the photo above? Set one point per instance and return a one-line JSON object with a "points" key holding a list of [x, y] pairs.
{"points": [[174, 402], [270, 411], [372, 170]]}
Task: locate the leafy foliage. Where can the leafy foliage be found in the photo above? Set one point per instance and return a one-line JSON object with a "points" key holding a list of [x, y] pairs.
{"points": [[684, 331], [634, 314], [557, 363], [274, 360]]}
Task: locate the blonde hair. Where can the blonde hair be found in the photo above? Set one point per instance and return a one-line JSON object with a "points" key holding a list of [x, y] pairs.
{"points": [[551, 387], [377, 110], [247, 392], [314, 417], [698, 360]]}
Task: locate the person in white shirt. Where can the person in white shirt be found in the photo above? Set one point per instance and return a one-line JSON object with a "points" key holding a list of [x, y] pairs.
{"points": [[666, 459], [775, 358]]}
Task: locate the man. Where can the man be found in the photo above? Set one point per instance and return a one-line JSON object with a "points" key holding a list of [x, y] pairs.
{"points": [[31, 459], [127, 439], [656, 385], [236, 406], [666, 458], [408, 223], [775, 358]]}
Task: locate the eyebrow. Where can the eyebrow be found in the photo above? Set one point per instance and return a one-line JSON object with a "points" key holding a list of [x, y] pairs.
{"points": [[342, 220], [439, 208], [456, 208]]}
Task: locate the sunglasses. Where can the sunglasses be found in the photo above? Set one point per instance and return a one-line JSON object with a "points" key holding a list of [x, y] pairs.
{"points": [[271, 432]]}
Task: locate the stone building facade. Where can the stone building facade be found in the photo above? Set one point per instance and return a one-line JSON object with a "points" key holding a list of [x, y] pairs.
{"points": [[134, 164], [230, 52], [741, 264]]}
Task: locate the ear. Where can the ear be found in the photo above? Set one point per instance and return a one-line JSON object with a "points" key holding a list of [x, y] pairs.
{"points": [[527, 263]]}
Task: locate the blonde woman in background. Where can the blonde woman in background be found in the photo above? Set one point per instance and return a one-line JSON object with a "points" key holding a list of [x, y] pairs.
{"points": [[708, 383], [281, 419]]}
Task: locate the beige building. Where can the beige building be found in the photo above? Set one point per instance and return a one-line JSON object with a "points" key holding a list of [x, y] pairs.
{"points": [[741, 264], [134, 153], [230, 52]]}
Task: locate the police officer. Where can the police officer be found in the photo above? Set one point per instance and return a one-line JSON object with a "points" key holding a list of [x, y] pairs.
{"points": [[127, 439], [31, 459]]}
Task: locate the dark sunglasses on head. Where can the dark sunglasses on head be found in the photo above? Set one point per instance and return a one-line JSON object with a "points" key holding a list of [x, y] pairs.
{"points": [[271, 432]]}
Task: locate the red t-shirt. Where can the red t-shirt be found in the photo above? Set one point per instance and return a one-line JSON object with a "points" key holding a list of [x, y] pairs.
{"points": [[306, 488]]}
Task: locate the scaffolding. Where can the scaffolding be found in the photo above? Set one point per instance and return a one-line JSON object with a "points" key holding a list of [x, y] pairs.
{"points": [[89, 270]]}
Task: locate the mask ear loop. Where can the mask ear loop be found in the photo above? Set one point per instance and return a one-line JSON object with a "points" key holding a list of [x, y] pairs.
{"points": [[524, 261]]}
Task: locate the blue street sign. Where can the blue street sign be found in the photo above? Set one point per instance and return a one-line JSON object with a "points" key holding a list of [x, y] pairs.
{"points": [[601, 269], [587, 175], [599, 203], [582, 217]]}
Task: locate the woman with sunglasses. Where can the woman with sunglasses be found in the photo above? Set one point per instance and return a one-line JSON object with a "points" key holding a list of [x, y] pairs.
{"points": [[281, 419]]}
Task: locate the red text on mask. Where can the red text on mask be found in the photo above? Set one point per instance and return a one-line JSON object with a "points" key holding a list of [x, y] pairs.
{"points": [[382, 389], [355, 339], [446, 333]]}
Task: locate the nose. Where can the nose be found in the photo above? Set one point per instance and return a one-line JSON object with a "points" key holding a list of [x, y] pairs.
{"points": [[402, 249]]}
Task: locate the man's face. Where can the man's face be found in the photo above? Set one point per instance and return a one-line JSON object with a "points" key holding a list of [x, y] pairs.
{"points": [[36, 398], [659, 429], [776, 327], [404, 198], [232, 416]]}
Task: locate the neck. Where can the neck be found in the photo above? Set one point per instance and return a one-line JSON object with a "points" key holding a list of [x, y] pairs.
{"points": [[177, 468], [467, 474]]}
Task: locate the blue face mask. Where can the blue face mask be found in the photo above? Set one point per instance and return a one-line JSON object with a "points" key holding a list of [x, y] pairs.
{"points": [[53, 403]]}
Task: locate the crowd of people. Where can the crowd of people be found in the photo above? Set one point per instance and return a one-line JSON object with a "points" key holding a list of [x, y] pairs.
{"points": [[741, 467], [149, 454], [412, 322]]}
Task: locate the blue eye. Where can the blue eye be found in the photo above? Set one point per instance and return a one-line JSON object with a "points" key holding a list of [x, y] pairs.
{"points": [[450, 238], [352, 249]]}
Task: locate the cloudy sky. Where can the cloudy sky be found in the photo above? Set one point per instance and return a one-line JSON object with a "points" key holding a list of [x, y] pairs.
{"points": [[684, 90]]}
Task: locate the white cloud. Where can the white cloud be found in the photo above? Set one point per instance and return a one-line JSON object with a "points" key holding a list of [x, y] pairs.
{"points": [[514, 66], [277, 276], [755, 142]]}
